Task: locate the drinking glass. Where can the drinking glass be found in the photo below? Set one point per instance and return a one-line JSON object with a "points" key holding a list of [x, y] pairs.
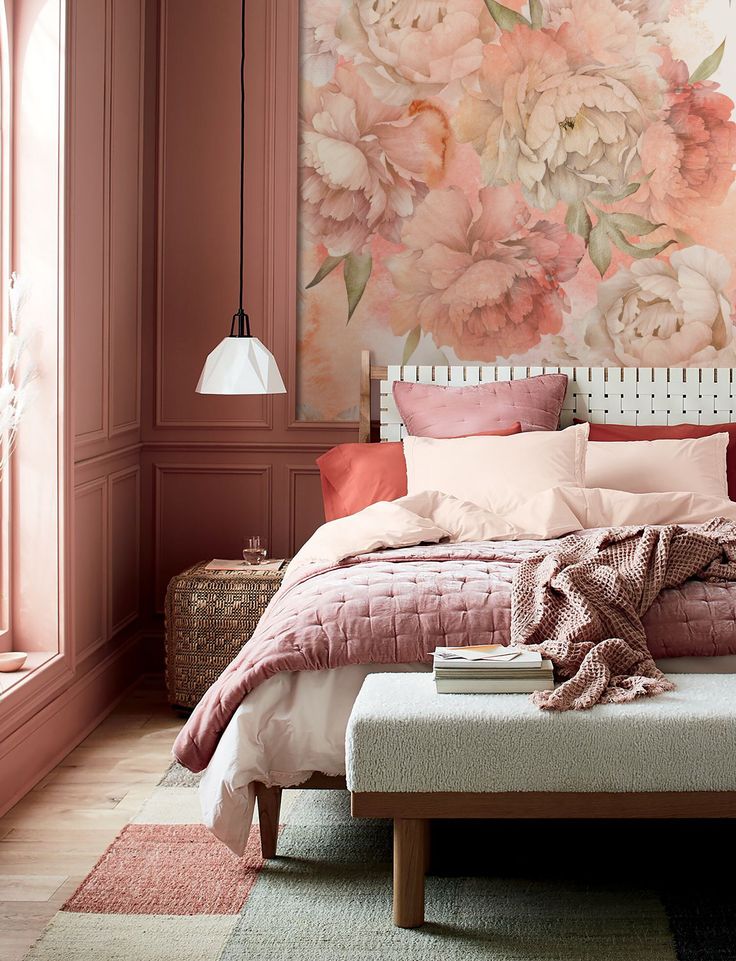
{"points": [[254, 551]]}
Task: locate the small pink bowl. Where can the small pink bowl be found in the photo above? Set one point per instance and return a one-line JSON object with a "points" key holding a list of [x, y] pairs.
{"points": [[12, 661]]}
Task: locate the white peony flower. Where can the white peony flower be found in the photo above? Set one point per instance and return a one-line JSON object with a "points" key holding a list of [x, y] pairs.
{"points": [[407, 49], [659, 314], [562, 111], [318, 43]]}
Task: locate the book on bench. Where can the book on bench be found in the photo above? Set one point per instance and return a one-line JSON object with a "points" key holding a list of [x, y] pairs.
{"points": [[491, 669]]}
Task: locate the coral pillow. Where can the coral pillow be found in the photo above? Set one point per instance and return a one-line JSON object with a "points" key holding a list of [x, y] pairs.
{"points": [[620, 432], [497, 473], [430, 410], [696, 465], [355, 476]]}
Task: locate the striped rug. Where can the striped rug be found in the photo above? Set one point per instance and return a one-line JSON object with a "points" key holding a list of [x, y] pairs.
{"points": [[165, 890]]}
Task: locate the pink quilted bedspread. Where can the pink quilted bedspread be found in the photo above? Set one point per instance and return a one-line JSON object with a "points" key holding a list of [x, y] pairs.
{"points": [[396, 606]]}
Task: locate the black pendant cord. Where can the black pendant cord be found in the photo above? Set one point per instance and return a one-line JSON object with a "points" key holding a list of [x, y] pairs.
{"points": [[243, 321]]}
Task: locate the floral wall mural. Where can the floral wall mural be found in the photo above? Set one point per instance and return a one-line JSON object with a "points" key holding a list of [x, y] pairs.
{"points": [[530, 182]]}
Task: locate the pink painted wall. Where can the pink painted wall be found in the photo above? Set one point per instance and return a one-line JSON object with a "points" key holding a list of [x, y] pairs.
{"points": [[82, 173], [215, 469], [106, 118]]}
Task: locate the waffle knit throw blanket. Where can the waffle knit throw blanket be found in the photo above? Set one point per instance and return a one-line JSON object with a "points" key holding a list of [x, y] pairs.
{"points": [[582, 605]]}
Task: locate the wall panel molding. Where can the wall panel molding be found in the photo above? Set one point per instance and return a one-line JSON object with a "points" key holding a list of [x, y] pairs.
{"points": [[298, 532], [166, 344], [104, 458], [227, 515], [124, 546], [101, 67], [124, 138], [88, 134], [90, 571], [246, 447]]}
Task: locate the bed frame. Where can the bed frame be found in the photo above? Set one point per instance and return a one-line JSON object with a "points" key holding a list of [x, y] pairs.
{"points": [[617, 395], [628, 395]]}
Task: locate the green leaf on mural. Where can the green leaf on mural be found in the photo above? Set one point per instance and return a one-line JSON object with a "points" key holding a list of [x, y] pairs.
{"points": [[684, 238], [328, 265], [410, 344], [505, 18], [599, 248], [637, 251], [357, 271], [537, 13], [709, 66], [577, 221], [607, 197], [632, 224]]}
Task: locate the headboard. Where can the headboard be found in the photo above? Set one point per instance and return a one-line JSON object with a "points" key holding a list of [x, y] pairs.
{"points": [[620, 395]]}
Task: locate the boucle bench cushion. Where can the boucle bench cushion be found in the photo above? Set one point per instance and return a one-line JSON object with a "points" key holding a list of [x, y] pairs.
{"points": [[404, 737]]}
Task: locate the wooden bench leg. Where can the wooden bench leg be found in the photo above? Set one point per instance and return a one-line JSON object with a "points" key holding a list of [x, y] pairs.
{"points": [[269, 807], [425, 828], [410, 860]]}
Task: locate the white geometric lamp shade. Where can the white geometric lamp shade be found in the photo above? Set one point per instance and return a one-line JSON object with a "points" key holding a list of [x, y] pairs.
{"points": [[240, 365]]}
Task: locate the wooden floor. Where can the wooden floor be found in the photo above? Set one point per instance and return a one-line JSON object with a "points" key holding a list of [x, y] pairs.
{"points": [[51, 839]]}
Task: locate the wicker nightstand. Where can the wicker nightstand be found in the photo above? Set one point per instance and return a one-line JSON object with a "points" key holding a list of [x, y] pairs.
{"points": [[210, 615]]}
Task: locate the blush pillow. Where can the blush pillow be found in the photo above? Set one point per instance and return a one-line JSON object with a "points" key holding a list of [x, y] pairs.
{"points": [[355, 476], [497, 473], [695, 465], [620, 432], [431, 410]]}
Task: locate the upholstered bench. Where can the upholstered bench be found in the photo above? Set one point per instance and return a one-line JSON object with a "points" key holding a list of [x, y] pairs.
{"points": [[414, 755]]}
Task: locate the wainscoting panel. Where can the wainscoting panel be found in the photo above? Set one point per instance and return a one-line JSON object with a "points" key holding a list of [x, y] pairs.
{"points": [[126, 150], [197, 506], [87, 241], [125, 548], [90, 567], [305, 505]]}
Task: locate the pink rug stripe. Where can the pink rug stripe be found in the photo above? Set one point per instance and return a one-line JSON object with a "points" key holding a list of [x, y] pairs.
{"points": [[168, 869]]}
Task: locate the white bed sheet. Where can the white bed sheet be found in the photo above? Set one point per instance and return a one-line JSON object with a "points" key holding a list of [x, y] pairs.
{"points": [[294, 724]]}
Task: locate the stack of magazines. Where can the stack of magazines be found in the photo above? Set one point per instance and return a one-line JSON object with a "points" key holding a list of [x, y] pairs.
{"points": [[491, 669]]}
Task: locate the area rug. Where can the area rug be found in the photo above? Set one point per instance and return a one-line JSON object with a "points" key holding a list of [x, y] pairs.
{"points": [[166, 890]]}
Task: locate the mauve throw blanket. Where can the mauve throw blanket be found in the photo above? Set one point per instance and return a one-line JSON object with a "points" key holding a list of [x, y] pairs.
{"points": [[587, 592], [582, 606]]}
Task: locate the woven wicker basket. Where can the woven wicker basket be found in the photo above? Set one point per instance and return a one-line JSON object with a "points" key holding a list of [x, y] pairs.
{"points": [[210, 615]]}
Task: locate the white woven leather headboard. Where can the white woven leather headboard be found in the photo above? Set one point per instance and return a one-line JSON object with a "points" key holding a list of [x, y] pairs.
{"points": [[628, 395]]}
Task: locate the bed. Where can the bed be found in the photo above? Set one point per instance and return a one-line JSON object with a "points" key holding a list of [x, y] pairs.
{"points": [[290, 730]]}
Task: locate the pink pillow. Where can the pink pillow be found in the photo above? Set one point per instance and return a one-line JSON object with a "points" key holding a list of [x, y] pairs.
{"points": [[694, 464], [355, 476], [498, 474], [620, 432], [430, 410]]}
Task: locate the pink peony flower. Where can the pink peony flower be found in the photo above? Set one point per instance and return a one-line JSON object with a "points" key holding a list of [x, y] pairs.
{"points": [[486, 285], [364, 164], [562, 111], [650, 15], [688, 155], [406, 49], [659, 314], [317, 40]]}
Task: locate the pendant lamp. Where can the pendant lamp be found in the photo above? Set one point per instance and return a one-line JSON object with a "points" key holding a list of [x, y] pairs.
{"points": [[241, 364]]}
